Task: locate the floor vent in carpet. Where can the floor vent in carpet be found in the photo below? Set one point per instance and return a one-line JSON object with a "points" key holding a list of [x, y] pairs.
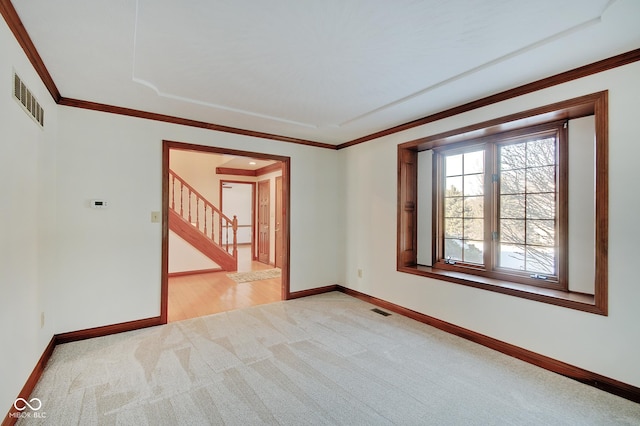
{"points": [[383, 313]]}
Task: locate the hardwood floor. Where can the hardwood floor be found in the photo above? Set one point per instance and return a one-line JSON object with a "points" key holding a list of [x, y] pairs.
{"points": [[192, 296]]}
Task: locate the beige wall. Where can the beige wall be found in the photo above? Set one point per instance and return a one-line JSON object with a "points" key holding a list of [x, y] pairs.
{"points": [[121, 161], [606, 345], [27, 223], [183, 257]]}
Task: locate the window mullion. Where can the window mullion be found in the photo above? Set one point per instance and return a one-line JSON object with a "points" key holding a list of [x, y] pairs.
{"points": [[491, 206]]}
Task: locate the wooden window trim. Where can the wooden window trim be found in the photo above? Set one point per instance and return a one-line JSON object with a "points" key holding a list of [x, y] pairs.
{"points": [[490, 144], [595, 104]]}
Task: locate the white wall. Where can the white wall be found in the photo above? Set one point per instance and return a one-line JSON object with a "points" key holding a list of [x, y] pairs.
{"points": [[237, 200], [183, 257], [109, 260], [582, 212], [27, 219], [605, 345], [425, 208]]}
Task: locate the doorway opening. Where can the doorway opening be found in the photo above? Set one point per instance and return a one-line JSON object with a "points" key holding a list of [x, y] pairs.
{"points": [[238, 198], [216, 192]]}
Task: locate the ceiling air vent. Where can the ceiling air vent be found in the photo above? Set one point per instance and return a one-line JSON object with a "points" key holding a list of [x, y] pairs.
{"points": [[27, 100]]}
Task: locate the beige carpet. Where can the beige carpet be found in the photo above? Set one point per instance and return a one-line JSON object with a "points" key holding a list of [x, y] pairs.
{"points": [[320, 360], [245, 277]]}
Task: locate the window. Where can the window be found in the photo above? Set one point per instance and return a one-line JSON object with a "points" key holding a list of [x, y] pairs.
{"points": [[499, 206], [502, 206]]}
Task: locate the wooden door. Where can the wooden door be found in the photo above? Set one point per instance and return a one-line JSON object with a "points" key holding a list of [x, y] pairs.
{"points": [[263, 221], [279, 222]]}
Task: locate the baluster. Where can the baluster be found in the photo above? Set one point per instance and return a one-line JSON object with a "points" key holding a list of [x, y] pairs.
{"points": [[190, 205], [226, 238], [181, 200], [235, 238], [220, 229], [213, 231], [173, 192], [198, 212], [205, 219]]}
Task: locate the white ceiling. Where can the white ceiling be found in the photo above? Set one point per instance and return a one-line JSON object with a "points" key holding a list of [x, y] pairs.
{"points": [[323, 70], [245, 163], [213, 160]]}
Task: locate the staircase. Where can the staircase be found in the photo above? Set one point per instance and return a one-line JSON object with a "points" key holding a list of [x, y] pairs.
{"points": [[201, 224]]}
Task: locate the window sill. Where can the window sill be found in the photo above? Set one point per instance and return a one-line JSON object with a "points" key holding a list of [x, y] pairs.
{"points": [[567, 299]]}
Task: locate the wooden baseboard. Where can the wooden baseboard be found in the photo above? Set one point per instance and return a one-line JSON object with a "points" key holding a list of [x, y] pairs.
{"points": [[196, 272], [25, 393], [596, 380], [106, 330], [312, 291], [73, 336]]}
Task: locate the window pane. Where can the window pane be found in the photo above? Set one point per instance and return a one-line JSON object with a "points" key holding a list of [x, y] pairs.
{"points": [[512, 156], [541, 152], [453, 249], [473, 207], [541, 206], [474, 184], [473, 252], [453, 207], [541, 260], [474, 229], [541, 179], [541, 232], [512, 182], [512, 206], [512, 231], [453, 165], [452, 228], [474, 162], [511, 256], [453, 186]]}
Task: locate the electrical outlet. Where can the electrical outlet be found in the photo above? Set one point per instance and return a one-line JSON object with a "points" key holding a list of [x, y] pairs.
{"points": [[155, 217], [41, 319], [359, 273]]}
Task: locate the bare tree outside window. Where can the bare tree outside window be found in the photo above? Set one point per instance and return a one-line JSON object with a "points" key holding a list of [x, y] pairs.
{"points": [[528, 193], [499, 205], [464, 207]]}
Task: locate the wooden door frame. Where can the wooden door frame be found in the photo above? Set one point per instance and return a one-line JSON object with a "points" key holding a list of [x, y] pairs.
{"points": [[277, 201], [268, 183], [168, 145], [253, 208]]}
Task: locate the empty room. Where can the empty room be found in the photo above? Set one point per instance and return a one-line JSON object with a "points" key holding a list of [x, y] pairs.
{"points": [[319, 212]]}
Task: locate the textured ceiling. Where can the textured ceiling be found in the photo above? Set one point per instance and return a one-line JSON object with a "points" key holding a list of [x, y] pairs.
{"points": [[330, 70]]}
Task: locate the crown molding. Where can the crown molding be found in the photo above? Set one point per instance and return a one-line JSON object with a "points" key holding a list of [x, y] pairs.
{"points": [[19, 31], [14, 23], [17, 28], [95, 106], [554, 80]]}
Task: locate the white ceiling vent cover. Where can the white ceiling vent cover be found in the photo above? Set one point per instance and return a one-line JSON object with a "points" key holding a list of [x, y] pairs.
{"points": [[29, 103]]}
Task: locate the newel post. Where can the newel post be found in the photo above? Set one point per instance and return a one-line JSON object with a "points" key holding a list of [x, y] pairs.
{"points": [[235, 231]]}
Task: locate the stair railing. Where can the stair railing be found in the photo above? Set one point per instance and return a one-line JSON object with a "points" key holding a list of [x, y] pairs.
{"points": [[207, 218]]}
